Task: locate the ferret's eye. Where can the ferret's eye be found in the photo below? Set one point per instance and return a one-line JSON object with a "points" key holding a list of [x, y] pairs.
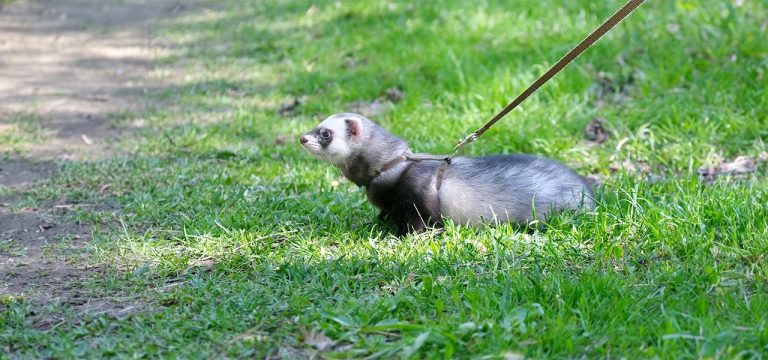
{"points": [[325, 134]]}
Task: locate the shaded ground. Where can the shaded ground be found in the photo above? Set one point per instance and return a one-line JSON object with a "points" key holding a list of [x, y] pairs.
{"points": [[67, 67], [74, 63]]}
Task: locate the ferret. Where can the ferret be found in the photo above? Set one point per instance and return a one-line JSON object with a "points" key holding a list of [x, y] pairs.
{"points": [[416, 191]]}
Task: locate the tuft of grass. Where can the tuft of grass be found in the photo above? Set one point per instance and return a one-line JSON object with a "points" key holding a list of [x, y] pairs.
{"points": [[20, 128], [244, 246]]}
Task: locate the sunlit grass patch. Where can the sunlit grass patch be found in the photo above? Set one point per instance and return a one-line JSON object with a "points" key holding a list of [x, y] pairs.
{"points": [[20, 129]]}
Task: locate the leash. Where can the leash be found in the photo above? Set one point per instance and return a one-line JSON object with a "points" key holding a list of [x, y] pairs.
{"points": [[625, 10], [606, 26]]}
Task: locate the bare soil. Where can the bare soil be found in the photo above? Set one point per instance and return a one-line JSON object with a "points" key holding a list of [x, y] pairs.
{"points": [[73, 65]]}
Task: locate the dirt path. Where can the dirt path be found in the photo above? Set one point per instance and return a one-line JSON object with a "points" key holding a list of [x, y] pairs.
{"points": [[66, 67]]}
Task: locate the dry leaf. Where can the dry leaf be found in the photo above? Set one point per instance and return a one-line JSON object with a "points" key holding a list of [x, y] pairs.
{"points": [[379, 106], [290, 106], [629, 166], [316, 339], [370, 109], [739, 166], [205, 264], [235, 93], [351, 62], [596, 132], [394, 94], [45, 226], [615, 89], [593, 180], [311, 11], [673, 28], [390, 289], [250, 336], [513, 356]]}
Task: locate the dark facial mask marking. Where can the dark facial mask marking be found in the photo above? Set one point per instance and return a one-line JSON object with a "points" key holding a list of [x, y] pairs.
{"points": [[324, 137]]}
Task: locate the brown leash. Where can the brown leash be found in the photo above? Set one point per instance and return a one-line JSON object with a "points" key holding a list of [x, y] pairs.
{"points": [[570, 56], [616, 18]]}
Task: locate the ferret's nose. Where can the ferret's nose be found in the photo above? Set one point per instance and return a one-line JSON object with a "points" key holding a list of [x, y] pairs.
{"points": [[303, 139]]}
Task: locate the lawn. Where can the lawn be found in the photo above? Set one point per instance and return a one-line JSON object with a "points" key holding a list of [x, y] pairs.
{"points": [[238, 243]]}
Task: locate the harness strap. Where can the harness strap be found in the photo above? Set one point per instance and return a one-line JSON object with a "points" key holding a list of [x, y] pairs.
{"points": [[408, 156], [441, 173], [428, 157], [392, 163], [446, 160]]}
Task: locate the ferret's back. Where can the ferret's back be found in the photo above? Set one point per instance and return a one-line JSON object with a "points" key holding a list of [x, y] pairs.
{"points": [[509, 188]]}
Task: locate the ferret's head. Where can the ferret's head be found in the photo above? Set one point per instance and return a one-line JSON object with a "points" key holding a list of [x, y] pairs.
{"points": [[337, 139]]}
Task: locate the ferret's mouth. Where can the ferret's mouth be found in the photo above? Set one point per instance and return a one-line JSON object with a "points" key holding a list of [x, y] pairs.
{"points": [[313, 148]]}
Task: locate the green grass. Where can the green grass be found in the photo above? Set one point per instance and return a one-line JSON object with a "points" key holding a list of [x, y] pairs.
{"points": [[21, 128], [242, 246]]}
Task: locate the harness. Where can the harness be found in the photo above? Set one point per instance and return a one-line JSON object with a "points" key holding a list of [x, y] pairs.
{"points": [[408, 156]]}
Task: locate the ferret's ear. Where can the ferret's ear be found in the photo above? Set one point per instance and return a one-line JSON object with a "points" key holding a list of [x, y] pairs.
{"points": [[354, 127]]}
